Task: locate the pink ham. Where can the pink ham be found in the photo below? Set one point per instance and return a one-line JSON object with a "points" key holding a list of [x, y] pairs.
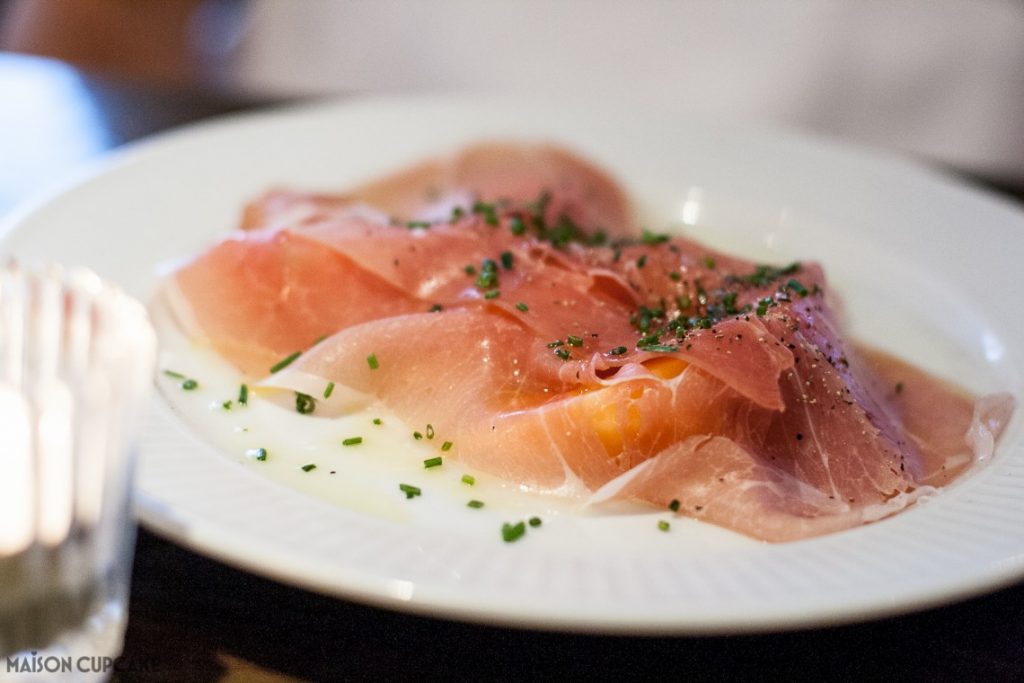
{"points": [[651, 369], [487, 172]]}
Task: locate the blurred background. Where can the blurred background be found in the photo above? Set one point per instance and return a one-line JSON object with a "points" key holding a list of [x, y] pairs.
{"points": [[942, 80]]}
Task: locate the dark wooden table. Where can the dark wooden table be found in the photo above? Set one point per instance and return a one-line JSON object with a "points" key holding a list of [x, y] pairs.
{"points": [[194, 619]]}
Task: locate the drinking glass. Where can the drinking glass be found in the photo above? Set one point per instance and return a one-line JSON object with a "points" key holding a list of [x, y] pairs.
{"points": [[76, 364]]}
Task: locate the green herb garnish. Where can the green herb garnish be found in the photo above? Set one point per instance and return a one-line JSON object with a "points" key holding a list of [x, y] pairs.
{"points": [[352, 441], [653, 237], [372, 361], [409, 490], [468, 479], [304, 403], [797, 287], [432, 462], [475, 504], [488, 277], [284, 362], [513, 532], [308, 468], [329, 389]]}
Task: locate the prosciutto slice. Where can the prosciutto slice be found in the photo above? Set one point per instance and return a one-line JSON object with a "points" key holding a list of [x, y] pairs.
{"points": [[559, 352]]}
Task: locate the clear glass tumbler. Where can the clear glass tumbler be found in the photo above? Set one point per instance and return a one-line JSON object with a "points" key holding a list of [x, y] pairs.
{"points": [[76, 364]]}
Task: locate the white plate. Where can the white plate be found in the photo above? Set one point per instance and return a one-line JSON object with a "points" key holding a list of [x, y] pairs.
{"points": [[929, 269]]}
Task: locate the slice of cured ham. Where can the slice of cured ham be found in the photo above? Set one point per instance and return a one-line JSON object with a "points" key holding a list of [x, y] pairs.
{"points": [[490, 172], [646, 368]]}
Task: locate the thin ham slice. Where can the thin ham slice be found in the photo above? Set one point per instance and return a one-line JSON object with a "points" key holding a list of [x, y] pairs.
{"points": [[489, 172]]}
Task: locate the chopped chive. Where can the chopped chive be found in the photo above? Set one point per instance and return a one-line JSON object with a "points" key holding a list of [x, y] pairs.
{"points": [[329, 390], [308, 468], [574, 340], [189, 384], [522, 307], [490, 217], [660, 348], [797, 287], [563, 354], [175, 375], [553, 344], [674, 505], [304, 403], [432, 462], [409, 490], [284, 362], [653, 237], [352, 441], [642, 261], [430, 431], [257, 454], [226, 405], [506, 260], [468, 479], [372, 361], [470, 269], [617, 351], [488, 277], [475, 504], [416, 225], [436, 308], [243, 395], [492, 294], [512, 532], [446, 446], [457, 213], [535, 521], [417, 435], [516, 225], [663, 525], [377, 421], [674, 276], [709, 262]]}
